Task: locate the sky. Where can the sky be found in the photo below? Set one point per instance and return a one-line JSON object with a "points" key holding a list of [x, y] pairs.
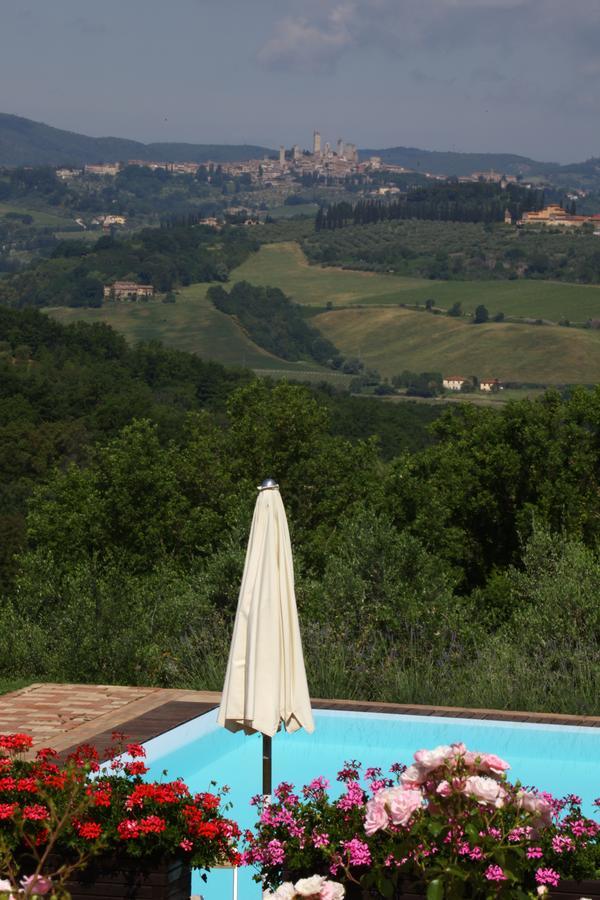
{"points": [[519, 76]]}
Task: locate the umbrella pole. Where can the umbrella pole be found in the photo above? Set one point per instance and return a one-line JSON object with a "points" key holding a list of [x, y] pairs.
{"points": [[267, 765]]}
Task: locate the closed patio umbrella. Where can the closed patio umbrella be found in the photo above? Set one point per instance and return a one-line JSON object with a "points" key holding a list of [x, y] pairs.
{"points": [[265, 684]]}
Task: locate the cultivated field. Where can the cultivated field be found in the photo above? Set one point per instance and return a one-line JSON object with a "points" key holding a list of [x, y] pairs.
{"points": [[391, 340]]}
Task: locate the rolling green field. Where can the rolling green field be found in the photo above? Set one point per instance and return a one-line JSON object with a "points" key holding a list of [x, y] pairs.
{"points": [[368, 321], [391, 340], [40, 218], [284, 265]]}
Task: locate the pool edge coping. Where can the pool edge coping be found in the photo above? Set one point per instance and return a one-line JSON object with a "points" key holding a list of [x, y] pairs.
{"points": [[181, 706]]}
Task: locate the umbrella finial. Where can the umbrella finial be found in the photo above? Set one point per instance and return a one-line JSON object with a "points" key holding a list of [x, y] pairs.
{"points": [[268, 484]]}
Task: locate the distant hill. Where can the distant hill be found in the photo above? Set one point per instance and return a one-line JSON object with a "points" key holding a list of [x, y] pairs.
{"points": [[27, 143], [450, 163]]}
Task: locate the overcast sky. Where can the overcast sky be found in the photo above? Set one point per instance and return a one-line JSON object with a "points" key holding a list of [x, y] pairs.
{"points": [[518, 76]]}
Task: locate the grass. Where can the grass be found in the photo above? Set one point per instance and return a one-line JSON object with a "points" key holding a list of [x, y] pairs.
{"points": [[39, 218], [13, 684], [191, 324], [284, 265], [395, 339]]}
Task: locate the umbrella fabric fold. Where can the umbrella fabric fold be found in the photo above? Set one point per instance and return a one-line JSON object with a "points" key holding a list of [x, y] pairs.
{"points": [[265, 684]]}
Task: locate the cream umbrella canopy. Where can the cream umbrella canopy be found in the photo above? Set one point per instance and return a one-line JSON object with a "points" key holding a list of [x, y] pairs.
{"points": [[265, 683]]}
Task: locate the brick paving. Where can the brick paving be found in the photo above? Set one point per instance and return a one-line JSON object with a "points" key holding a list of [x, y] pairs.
{"points": [[47, 711]]}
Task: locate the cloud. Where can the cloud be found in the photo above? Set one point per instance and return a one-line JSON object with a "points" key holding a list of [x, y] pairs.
{"points": [[299, 43], [317, 35]]}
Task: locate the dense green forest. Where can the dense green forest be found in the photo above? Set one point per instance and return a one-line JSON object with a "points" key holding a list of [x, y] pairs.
{"points": [[456, 567], [163, 257], [459, 250], [275, 323], [445, 202]]}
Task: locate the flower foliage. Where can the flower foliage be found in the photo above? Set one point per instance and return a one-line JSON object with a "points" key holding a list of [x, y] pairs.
{"points": [[76, 810], [451, 821]]}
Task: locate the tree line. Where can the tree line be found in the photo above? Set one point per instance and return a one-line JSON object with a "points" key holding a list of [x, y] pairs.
{"points": [[275, 323], [447, 202]]}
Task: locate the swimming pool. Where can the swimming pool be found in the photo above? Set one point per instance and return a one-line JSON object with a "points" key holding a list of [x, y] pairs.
{"points": [[558, 758]]}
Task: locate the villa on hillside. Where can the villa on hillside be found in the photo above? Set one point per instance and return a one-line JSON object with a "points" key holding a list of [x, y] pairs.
{"points": [[556, 215], [454, 383], [127, 290], [490, 385]]}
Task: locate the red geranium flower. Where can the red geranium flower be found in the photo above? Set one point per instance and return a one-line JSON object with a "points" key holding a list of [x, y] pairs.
{"points": [[136, 768], [7, 809], [135, 750], [89, 830], [35, 812], [152, 825], [16, 743], [128, 829], [27, 784], [208, 801]]}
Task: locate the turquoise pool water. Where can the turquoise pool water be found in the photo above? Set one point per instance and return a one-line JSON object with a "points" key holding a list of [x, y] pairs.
{"points": [[560, 759]]}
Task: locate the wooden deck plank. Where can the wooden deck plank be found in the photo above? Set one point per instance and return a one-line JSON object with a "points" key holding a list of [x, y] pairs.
{"points": [[149, 725]]}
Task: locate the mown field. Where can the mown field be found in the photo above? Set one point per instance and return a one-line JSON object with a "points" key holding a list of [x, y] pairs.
{"points": [[367, 320], [391, 340]]}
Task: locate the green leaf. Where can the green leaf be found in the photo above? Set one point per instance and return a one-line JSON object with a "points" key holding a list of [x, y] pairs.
{"points": [[435, 890]]}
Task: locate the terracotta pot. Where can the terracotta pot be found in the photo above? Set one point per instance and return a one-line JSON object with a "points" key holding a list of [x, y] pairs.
{"points": [[109, 879]]}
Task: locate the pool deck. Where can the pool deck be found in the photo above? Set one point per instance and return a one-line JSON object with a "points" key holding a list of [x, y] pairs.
{"points": [[65, 715]]}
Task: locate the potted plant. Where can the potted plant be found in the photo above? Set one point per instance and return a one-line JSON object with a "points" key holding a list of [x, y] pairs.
{"points": [[78, 826], [451, 825]]}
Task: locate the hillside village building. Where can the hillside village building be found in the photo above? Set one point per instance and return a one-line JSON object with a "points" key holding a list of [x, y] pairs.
{"points": [[490, 385], [103, 169], [454, 383], [127, 290]]}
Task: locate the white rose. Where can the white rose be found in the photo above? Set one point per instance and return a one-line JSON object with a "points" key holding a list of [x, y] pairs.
{"points": [[285, 891], [309, 887]]}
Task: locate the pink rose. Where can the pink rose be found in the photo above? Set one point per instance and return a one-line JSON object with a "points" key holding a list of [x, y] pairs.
{"points": [[485, 790], [402, 804], [413, 776], [492, 763], [536, 805], [376, 816], [428, 760], [332, 890], [285, 891], [443, 789], [36, 884]]}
